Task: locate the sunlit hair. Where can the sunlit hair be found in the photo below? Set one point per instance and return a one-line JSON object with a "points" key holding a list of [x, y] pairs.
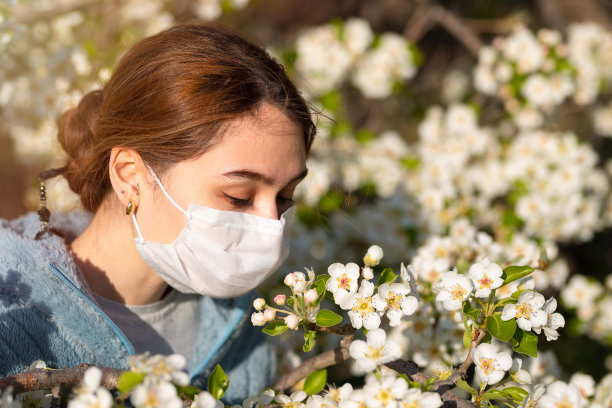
{"points": [[169, 99]]}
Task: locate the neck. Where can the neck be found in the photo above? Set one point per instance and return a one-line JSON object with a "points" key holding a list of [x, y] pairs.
{"points": [[107, 257]]}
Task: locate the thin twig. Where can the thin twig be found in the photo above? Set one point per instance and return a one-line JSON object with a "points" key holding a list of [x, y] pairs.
{"points": [[45, 379], [477, 337]]}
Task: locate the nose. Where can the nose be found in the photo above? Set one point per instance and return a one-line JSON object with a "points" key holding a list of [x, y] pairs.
{"points": [[269, 210]]}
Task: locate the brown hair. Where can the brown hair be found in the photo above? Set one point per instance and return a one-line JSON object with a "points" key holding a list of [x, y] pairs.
{"points": [[169, 98]]}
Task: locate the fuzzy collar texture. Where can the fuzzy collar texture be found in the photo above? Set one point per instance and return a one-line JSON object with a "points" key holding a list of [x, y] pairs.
{"points": [[47, 313]]}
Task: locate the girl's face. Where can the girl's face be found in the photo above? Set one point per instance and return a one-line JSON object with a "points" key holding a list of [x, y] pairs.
{"points": [[254, 168]]}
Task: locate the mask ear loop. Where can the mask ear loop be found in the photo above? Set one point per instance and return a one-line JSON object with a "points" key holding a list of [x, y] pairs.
{"points": [[159, 183]]}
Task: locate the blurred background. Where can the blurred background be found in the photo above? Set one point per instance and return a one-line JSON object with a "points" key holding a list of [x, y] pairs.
{"points": [[487, 121]]}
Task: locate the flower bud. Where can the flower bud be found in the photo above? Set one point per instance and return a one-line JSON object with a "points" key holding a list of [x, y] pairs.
{"points": [[280, 299], [269, 314], [292, 321], [259, 303], [373, 256], [258, 319], [290, 279], [311, 296], [367, 273]]}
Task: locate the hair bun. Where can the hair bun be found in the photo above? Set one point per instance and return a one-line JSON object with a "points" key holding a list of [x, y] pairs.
{"points": [[76, 135]]}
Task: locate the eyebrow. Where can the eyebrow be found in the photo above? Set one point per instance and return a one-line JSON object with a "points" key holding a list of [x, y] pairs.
{"points": [[253, 175]]}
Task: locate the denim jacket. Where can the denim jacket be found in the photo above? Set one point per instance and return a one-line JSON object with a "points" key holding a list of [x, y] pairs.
{"points": [[48, 313]]}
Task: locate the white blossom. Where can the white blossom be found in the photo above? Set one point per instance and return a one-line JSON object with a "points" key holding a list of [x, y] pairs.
{"points": [[455, 289], [376, 351], [561, 394], [343, 279], [486, 276], [362, 307], [385, 393], [527, 311], [395, 300], [491, 366]]}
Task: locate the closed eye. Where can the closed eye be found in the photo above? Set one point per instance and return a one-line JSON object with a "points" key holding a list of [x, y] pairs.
{"points": [[238, 202]]}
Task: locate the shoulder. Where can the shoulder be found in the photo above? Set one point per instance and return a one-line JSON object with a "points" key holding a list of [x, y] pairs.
{"points": [[20, 251]]}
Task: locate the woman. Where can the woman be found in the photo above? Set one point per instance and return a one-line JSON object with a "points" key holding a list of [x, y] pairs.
{"points": [[200, 138]]}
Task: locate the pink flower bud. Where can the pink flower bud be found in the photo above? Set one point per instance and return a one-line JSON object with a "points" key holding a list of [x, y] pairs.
{"points": [[367, 273], [258, 319], [269, 314], [259, 303], [290, 279], [311, 296], [280, 299], [292, 321]]}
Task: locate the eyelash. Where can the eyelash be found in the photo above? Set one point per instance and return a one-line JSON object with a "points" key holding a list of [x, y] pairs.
{"points": [[242, 203]]}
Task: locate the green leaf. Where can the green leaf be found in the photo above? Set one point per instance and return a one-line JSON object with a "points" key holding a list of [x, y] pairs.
{"points": [[188, 391], [516, 393], [309, 340], [502, 330], [467, 337], [327, 318], [410, 163], [218, 382], [320, 286], [466, 387], [128, 380], [510, 219], [291, 302], [275, 328], [320, 283], [331, 101], [364, 136], [315, 382], [386, 276], [525, 342], [331, 201], [517, 294], [515, 272], [495, 394], [469, 310]]}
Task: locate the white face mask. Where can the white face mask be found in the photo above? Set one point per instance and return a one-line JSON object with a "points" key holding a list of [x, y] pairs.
{"points": [[218, 253]]}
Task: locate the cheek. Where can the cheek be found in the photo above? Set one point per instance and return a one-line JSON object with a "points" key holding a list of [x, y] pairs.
{"points": [[159, 220]]}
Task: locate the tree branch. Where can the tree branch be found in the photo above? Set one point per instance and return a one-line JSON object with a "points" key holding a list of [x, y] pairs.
{"points": [[410, 368], [329, 358], [45, 379]]}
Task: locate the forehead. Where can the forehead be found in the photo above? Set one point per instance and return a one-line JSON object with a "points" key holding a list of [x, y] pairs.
{"points": [[266, 142]]}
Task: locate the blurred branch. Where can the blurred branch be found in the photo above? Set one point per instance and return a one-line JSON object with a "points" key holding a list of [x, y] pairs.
{"points": [[558, 13], [499, 26], [456, 26], [427, 15], [27, 13], [46, 379]]}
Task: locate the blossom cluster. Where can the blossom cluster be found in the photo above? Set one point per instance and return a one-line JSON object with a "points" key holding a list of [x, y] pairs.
{"points": [[329, 54], [591, 303], [533, 73], [539, 186]]}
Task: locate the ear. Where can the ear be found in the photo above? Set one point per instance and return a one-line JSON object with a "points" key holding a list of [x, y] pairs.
{"points": [[126, 175]]}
